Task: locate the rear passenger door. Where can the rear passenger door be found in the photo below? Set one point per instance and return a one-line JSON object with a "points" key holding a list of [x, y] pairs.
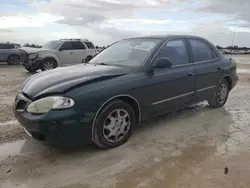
{"points": [[207, 67], [79, 52]]}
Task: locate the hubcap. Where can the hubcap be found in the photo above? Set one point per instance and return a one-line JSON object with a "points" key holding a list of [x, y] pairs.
{"points": [[48, 65], [222, 93], [14, 60], [116, 125]]}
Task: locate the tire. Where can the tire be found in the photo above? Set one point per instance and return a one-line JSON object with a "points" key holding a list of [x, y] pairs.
{"points": [[103, 124], [30, 69], [218, 99], [87, 59], [13, 60], [48, 64]]}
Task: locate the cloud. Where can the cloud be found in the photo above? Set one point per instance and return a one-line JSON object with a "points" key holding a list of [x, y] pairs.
{"points": [[105, 21], [5, 31], [220, 35], [25, 20], [237, 9], [92, 11]]}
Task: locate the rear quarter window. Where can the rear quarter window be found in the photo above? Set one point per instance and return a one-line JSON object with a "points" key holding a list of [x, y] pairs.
{"points": [[89, 45]]}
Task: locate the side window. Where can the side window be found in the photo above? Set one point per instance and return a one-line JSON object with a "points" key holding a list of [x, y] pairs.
{"points": [[66, 46], [201, 50], [176, 51], [89, 45], [78, 46], [2, 46], [214, 54], [10, 46]]}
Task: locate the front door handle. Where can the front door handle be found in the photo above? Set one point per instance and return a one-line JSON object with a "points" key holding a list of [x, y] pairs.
{"points": [[219, 69], [71, 53], [190, 74]]}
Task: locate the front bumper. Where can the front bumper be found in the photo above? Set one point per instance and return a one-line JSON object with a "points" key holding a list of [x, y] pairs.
{"points": [[61, 128], [33, 63]]}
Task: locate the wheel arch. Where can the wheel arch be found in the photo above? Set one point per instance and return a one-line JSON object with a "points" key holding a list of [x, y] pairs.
{"points": [[126, 98], [229, 80], [52, 58], [91, 56]]}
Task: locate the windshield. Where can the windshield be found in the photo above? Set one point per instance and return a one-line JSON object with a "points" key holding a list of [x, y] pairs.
{"points": [[129, 52], [52, 45]]}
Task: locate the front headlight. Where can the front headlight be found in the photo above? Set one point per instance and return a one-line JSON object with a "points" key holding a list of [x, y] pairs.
{"points": [[33, 56], [46, 104]]}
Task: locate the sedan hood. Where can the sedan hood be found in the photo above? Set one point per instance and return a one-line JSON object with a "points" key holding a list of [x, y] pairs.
{"points": [[60, 80], [30, 50]]}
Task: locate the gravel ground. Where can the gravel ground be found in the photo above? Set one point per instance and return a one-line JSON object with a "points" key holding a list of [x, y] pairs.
{"points": [[189, 148]]}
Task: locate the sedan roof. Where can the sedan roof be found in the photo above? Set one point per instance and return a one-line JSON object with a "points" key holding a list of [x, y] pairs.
{"points": [[166, 36]]}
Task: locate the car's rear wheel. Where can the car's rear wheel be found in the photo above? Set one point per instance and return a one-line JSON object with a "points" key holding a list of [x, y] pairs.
{"points": [[114, 124], [48, 64], [220, 95], [13, 60]]}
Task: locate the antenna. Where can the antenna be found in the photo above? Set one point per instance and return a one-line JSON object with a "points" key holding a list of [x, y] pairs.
{"points": [[233, 38]]}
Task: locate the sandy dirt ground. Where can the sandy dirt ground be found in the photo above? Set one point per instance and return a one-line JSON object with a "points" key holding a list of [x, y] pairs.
{"points": [[189, 148]]}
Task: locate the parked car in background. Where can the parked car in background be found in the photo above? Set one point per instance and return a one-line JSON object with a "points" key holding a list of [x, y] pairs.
{"points": [[125, 84], [9, 52], [57, 53]]}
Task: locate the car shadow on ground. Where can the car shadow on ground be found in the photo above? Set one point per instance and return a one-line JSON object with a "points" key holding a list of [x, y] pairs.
{"points": [[143, 133]]}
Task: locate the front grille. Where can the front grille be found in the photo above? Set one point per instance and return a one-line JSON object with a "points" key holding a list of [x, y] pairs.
{"points": [[21, 104]]}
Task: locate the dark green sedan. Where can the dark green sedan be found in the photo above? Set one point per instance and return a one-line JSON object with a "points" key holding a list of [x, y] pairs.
{"points": [[129, 82]]}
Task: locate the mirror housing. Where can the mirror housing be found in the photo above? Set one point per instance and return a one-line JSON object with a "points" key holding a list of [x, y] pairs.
{"points": [[162, 63], [61, 49]]}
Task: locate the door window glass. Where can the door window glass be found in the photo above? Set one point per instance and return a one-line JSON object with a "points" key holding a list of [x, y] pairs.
{"points": [[9, 46], [66, 46], [78, 46], [201, 51], [176, 51]]}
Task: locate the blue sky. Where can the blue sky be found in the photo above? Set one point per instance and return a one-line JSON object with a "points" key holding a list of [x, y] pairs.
{"points": [[105, 21]]}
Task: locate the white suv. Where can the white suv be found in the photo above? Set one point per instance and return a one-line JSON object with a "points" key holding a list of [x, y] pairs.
{"points": [[57, 53]]}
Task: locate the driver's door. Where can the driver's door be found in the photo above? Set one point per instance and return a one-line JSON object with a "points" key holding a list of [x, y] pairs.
{"points": [[66, 54], [172, 87]]}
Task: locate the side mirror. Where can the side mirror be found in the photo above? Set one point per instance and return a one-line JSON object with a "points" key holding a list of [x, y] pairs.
{"points": [[61, 49], [162, 63]]}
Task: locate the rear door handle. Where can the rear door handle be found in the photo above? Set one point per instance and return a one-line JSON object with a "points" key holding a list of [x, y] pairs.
{"points": [[219, 69], [190, 74], [71, 53]]}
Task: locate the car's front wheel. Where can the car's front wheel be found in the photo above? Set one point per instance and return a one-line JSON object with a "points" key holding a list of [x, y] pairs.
{"points": [[220, 95], [48, 64], [114, 124]]}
